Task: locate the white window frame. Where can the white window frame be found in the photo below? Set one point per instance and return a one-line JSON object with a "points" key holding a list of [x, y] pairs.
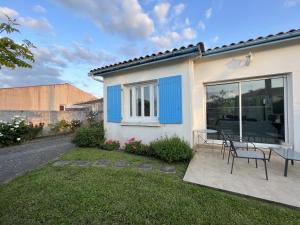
{"points": [[133, 117]]}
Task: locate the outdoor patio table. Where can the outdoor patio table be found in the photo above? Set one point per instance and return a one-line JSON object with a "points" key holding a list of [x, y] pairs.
{"points": [[287, 154], [203, 132]]}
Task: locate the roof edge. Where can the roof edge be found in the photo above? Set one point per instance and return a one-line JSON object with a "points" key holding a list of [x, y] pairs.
{"points": [[191, 50], [261, 41]]}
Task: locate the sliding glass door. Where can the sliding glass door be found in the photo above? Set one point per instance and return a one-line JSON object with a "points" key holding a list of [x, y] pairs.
{"points": [[222, 109], [252, 109]]}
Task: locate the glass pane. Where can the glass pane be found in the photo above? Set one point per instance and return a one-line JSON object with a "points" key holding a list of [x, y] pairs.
{"points": [[130, 100], [263, 110], [223, 109], [138, 97], [147, 101], [155, 100]]}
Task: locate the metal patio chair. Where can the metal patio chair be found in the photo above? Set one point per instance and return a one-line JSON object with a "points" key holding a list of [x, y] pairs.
{"points": [[225, 143], [238, 152]]}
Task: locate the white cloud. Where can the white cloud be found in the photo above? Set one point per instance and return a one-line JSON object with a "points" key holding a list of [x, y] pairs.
{"points": [[39, 9], [125, 18], [5, 11], [161, 11], [165, 41], [41, 23], [189, 33], [78, 54], [208, 13], [291, 3], [215, 39], [201, 25], [178, 9]]}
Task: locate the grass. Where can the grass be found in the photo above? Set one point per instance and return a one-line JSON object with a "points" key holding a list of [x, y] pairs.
{"points": [[75, 195]]}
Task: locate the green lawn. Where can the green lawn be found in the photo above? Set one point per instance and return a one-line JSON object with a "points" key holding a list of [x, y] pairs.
{"points": [[75, 195]]}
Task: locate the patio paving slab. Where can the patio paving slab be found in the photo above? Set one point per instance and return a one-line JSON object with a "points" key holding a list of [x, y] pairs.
{"points": [[145, 166], [207, 168], [122, 163], [102, 162], [61, 163], [167, 168], [81, 163]]}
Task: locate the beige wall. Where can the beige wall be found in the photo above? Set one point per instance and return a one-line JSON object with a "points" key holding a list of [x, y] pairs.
{"points": [[279, 59], [123, 131], [41, 98]]}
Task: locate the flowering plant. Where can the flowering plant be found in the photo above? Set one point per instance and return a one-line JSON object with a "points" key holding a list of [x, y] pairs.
{"points": [[136, 147], [16, 131], [111, 145]]}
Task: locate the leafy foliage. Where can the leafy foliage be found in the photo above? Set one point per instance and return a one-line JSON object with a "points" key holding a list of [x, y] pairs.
{"points": [[75, 124], [60, 127], [18, 131], [14, 55], [137, 147], [90, 135], [111, 145], [171, 149]]}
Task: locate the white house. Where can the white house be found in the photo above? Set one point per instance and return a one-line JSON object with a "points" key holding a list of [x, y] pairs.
{"points": [[248, 89]]}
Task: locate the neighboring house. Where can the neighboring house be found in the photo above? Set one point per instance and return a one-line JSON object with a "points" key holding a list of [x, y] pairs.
{"points": [[43, 103], [53, 97], [249, 89], [95, 106]]}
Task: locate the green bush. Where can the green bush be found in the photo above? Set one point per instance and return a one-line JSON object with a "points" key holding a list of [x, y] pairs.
{"points": [[17, 131], [111, 145], [60, 126], [89, 136], [171, 149], [34, 130], [75, 124], [137, 147]]}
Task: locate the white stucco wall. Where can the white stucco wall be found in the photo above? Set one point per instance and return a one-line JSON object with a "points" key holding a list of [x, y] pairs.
{"points": [[122, 132], [284, 58]]}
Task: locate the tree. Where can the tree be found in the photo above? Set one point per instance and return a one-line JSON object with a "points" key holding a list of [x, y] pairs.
{"points": [[14, 55]]}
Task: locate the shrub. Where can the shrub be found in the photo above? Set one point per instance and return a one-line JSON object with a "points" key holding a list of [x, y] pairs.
{"points": [[111, 145], [91, 117], [171, 149], [137, 147], [17, 131], [34, 130], [60, 126], [89, 136], [75, 124]]}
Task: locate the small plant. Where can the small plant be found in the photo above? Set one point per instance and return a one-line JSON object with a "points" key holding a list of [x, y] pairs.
{"points": [[34, 130], [60, 126], [89, 136], [111, 145], [171, 149], [17, 131], [136, 147], [75, 124], [91, 117]]}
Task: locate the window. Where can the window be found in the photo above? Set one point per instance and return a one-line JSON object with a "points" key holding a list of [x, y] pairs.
{"points": [[143, 102], [61, 107], [252, 109]]}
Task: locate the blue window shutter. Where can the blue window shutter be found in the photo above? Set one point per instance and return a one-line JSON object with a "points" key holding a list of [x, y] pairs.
{"points": [[114, 104], [170, 100]]}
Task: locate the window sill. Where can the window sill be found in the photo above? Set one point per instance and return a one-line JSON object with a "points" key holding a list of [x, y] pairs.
{"points": [[141, 124]]}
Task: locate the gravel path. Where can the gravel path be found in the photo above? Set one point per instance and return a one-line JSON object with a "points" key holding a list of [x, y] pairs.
{"points": [[16, 160]]}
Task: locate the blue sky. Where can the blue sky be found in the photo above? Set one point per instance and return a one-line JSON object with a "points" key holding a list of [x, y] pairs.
{"points": [[75, 36]]}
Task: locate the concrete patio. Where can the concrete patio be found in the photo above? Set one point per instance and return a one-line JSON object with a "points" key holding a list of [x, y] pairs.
{"points": [[207, 168]]}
